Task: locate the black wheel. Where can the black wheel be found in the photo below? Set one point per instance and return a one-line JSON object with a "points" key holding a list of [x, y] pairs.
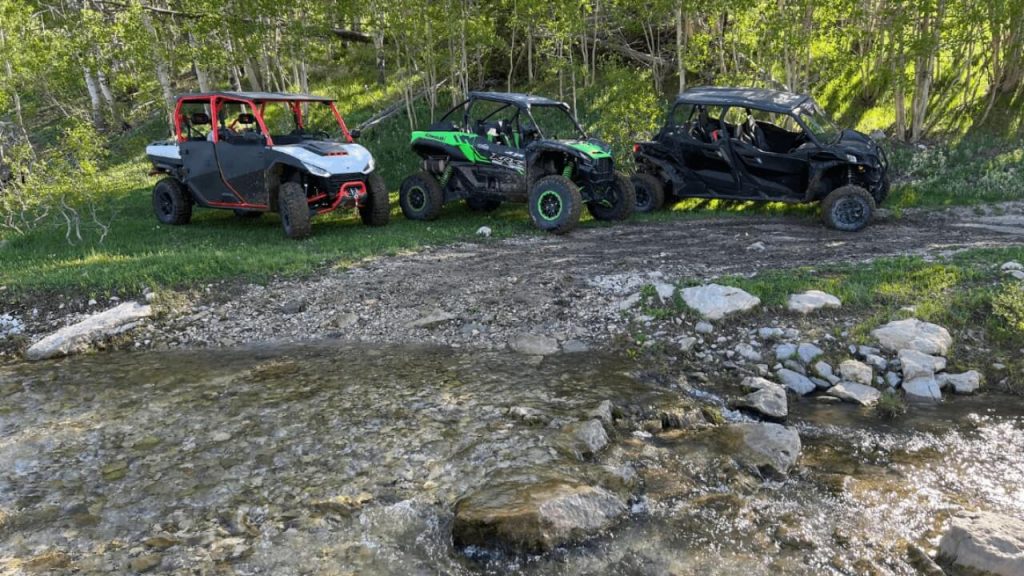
{"points": [[848, 208], [477, 204], [247, 214], [376, 209], [294, 210], [650, 192], [171, 203], [420, 197], [619, 202], [555, 204]]}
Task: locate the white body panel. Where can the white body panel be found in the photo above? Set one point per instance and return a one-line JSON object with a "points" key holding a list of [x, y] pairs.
{"points": [[164, 151], [357, 159]]}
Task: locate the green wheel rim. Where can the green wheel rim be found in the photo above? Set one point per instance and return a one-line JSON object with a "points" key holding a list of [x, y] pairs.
{"points": [[417, 198], [549, 205]]}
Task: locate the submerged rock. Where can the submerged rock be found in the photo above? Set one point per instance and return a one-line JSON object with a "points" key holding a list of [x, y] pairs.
{"points": [[534, 345], [811, 301], [915, 335], [986, 543], [715, 302], [534, 517], [586, 438], [771, 449], [81, 336]]}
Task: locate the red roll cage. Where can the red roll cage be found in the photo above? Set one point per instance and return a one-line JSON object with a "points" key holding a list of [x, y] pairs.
{"points": [[257, 106]]}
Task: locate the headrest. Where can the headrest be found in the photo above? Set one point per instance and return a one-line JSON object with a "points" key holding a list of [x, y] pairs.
{"points": [[199, 118], [245, 118]]}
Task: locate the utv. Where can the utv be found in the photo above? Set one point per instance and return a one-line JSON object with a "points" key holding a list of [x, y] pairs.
{"points": [[753, 144], [498, 147], [255, 152]]}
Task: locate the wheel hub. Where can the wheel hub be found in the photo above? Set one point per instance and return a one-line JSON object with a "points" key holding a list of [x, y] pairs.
{"points": [[549, 205], [849, 211], [417, 198]]}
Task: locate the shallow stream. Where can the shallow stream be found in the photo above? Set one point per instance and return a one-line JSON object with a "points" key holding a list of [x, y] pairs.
{"points": [[331, 458]]}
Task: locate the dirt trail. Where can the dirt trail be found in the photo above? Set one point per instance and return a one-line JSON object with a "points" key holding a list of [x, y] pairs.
{"points": [[568, 288]]}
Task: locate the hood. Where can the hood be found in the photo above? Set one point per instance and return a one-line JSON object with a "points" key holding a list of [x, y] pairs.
{"points": [[858, 144], [325, 158], [585, 149]]}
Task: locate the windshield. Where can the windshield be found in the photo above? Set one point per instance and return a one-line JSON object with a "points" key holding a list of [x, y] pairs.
{"points": [[818, 123], [302, 120], [555, 122]]}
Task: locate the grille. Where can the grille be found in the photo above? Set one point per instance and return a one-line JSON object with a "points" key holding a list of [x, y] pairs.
{"points": [[603, 166]]}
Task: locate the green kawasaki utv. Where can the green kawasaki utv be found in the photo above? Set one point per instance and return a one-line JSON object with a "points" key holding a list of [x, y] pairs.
{"points": [[498, 147]]}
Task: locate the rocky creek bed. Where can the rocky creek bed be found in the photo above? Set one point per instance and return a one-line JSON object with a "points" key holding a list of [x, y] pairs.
{"points": [[334, 458]]}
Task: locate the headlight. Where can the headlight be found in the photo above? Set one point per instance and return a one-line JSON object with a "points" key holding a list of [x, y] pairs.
{"points": [[369, 166], [851, 158], [317, 171]]}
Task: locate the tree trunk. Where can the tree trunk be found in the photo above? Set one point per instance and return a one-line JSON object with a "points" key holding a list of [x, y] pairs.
{"points": [[680, 47], [96, 105], [251, 75], [15, 96], [162, 74], [108, 95]]}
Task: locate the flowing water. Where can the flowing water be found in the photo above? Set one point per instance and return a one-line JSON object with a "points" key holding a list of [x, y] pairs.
{"points": [[331, 458]]}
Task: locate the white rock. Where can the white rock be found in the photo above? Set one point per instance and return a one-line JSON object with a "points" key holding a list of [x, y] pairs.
{"points": [[484, 231], [769, 399], [876, 362], [808, 352], [534, 344], [686, 343], [665, 291], [433, 319], [855, 371], [629, 301], [854, 392], [916, 364], [812, 300], [1011, 265], [747, 352], [824, 369], [785, 351], [768, 333], [915, 335], [757, 247], [715, 302], [10, 326], [796, 381], [892, 379], [985, 543], [703, 327], [965, 383], [1016, 274], [923, 388], [79, 337]]}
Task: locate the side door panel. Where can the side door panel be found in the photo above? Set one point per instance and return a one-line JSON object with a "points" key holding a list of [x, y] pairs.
{"points": [[201, 173], [242, 171]]}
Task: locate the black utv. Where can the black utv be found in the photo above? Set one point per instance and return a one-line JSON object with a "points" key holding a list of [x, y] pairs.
{"points": [[504, 147], [762, 145]]}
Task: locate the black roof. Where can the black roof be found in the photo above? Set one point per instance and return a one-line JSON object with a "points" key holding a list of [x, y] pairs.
{"points": [[761, 98], [515, 98], [261, 96]]}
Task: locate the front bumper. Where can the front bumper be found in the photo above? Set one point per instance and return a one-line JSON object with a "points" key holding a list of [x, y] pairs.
{"points": [[343, 191]]}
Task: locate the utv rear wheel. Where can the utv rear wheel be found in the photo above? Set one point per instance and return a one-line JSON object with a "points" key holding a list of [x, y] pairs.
{"points": [[555, 204], [477, 204], [848, 208], [171, 203], [294, 210], [421, 197], [618, 203], [376, 209], [650, 192]]}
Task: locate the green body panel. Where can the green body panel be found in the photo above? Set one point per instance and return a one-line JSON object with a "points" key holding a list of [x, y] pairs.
{"points": [[461, 140], [590, 149]]}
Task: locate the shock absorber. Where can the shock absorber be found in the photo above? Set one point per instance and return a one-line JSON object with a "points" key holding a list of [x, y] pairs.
{"points": [[567, 171], [445, 176]]}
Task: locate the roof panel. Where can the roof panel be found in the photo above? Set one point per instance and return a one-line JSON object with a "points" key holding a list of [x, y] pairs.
{"points": [[771, 100], [260, 96], [515, 98]]}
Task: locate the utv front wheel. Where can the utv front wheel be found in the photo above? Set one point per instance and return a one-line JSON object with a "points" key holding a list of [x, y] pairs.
{"points": [[477, 204], [171, 203], [555, 204], [618, 203], [376, 208], [294, 210], [650, 193], [848, 208], [421, 197]]}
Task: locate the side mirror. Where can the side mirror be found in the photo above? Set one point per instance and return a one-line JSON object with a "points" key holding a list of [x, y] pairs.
{"points": [[355, 134]]}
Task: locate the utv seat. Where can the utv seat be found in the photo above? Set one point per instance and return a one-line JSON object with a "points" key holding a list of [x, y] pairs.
{"points": [[753, 134]]}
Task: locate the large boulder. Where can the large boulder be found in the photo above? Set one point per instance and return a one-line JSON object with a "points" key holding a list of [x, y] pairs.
{"points": [[796, 381], [915, 335], [715, 302], [768, 399], [83, 335], [922, 388], [771, 449], [985, 543], [854, 392], [856, 371], [965, 383], [584, 439], [917, 364], [812, 300], [526, 517]]}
